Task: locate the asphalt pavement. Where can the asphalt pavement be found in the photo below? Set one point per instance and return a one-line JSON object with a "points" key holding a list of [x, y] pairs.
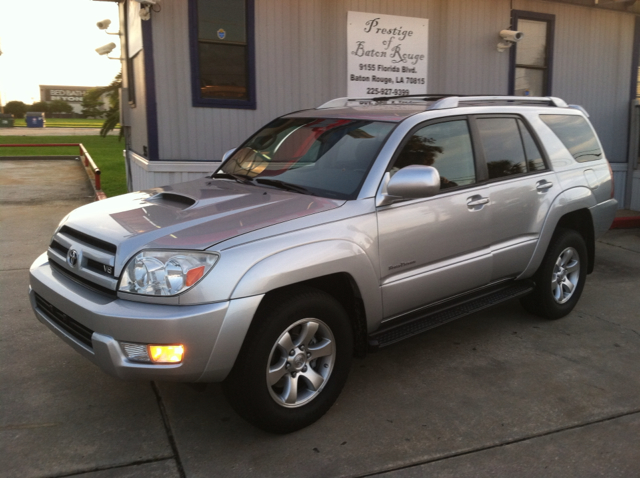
{"points": [[498, 393]]}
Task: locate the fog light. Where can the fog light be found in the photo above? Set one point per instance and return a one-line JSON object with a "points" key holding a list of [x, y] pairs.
{"points": [[166, 353]]}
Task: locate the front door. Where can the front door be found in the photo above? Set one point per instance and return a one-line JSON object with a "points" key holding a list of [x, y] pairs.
{"points": [[437, 247]]}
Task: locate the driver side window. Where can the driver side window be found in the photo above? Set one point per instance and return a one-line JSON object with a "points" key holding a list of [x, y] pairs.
{"points": [[444, 146]]}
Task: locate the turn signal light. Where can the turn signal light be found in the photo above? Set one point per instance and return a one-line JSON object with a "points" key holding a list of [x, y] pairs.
{"points": [[166, 353]]}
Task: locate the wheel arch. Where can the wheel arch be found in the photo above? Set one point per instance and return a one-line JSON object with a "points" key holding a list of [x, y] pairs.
{"points": [[340, 268], [569, 210]]}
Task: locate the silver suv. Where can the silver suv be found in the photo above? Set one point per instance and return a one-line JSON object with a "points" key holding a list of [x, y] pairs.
{"points": [[329, 233]]}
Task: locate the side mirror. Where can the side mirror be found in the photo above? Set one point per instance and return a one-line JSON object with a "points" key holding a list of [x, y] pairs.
{"points": [[411, 182]]}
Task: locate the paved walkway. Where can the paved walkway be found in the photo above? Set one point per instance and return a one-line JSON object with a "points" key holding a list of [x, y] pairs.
{"points": [[499, 393]]}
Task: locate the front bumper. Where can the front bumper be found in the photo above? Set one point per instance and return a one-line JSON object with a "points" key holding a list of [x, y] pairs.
{"points": [[95, 324]]}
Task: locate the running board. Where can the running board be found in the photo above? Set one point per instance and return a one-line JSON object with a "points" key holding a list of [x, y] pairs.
{"points": [[423, 320]]}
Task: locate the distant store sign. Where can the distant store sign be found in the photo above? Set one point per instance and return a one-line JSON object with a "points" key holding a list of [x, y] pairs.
{"points": [[387, 55], [73, 94]]}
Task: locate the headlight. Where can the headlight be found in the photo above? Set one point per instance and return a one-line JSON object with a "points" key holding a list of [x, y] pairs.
{"points": [[165, 272]]}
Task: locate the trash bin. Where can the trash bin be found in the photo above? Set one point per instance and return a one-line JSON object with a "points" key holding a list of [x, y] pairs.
{"points": [[35, 119], [6, 121]]}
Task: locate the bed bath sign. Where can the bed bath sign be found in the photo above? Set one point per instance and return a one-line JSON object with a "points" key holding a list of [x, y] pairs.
{"points": [[387, 55]]}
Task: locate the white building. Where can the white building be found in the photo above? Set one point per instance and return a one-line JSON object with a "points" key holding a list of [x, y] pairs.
{"points": [[201, 75]]}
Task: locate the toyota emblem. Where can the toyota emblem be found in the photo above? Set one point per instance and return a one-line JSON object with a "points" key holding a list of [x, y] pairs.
{"points": [[72, 257]]}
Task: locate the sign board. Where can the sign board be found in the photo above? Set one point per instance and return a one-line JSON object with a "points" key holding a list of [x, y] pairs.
{"points": [[387, 55]]}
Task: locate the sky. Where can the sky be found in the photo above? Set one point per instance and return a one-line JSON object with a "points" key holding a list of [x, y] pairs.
{"points": [[53, 42]]}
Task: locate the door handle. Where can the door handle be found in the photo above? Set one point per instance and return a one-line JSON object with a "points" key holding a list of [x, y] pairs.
{"points": [[543, 185], [477, 201]]}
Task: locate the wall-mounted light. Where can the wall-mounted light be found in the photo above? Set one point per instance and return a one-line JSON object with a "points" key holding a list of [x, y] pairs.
{"points": [[509, 37]]}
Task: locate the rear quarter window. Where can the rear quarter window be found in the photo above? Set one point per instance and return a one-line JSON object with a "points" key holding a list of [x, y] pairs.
{"points": [[576, 135]]}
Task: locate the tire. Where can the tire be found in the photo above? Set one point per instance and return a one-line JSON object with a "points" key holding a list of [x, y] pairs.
{"points": [[560, 278], [293, 363]]}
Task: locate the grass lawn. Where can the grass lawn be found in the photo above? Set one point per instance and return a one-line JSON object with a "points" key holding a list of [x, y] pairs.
{"points": [[68, 122], [106, 153]]}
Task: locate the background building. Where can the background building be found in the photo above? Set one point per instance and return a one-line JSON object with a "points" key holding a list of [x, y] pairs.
{"points": [[71, 94], [201, 75]]}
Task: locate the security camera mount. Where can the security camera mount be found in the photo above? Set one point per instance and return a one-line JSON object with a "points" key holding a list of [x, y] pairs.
{"points": [[104, 25], [508, 38]]}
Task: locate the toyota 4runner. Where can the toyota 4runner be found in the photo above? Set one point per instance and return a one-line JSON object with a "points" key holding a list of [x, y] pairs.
{"points": [[329, 233]]}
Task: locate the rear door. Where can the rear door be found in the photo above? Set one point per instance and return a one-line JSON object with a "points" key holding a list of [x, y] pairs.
{"points": [[521, 190]]}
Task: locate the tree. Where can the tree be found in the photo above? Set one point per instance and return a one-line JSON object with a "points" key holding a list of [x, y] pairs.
{"points": [[92, 103], [60, 106], [113, 114], [42, 106], [15, 108]]}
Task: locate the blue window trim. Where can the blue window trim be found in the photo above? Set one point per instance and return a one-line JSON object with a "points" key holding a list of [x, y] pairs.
{"points": [[198, 100], [542, 17], [150, 87]]}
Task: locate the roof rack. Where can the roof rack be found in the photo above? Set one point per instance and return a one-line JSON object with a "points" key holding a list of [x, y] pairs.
{"points": [[454, 101], [442, 102]]}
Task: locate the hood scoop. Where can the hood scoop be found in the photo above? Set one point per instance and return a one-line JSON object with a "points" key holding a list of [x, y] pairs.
{"points": [[172, 199]]}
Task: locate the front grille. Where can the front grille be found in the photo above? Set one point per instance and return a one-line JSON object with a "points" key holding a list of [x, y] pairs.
{"points": [[85, 282], [56, 246], [87, 239], [75, 329]]}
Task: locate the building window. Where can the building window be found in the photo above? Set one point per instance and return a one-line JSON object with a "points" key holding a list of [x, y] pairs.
{"points": [[222, 53], [531, 58]]}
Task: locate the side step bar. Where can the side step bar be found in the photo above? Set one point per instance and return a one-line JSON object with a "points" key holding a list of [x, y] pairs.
{"points": [[425, 319]]}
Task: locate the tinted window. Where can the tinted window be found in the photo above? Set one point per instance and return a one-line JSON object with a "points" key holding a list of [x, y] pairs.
{"points": [[446, 147], [325, 157], [576, 135], [534, 158], [503, 150]]}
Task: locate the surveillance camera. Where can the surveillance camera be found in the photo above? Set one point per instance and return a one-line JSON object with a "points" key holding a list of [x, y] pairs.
{"points": [[106, 49], [511, 35], [104, 24]]}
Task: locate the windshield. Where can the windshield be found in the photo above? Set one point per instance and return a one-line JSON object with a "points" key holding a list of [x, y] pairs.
{"points": [[323, 157]]}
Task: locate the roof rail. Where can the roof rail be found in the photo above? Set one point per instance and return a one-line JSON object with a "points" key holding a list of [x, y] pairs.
{"points": [[442, 102], [454, 101], [344, 101]]}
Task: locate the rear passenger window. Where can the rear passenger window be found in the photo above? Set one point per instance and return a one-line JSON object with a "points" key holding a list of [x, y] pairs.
{"points": [[503, 150], [446, 147], [576, 134], [508, 146]]}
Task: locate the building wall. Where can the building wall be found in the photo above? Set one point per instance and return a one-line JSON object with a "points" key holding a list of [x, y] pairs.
{"points": [[301, 62], [592, 66]]}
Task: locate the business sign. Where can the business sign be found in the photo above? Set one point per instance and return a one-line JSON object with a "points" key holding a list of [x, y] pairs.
{"points": [[387, 55]]}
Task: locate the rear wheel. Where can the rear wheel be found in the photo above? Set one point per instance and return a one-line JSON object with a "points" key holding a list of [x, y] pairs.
{"points": [[560, 278], [293, 364]]}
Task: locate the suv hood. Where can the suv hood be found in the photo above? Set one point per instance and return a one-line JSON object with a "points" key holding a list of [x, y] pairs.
{"points": [[191, 215]]}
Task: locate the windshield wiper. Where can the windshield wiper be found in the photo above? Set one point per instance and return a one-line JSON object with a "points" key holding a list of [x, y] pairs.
{"points": [[241, 178], [282, 185]]}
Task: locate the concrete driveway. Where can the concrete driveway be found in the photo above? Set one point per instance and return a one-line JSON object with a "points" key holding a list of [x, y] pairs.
{"points": [[499, 393]]}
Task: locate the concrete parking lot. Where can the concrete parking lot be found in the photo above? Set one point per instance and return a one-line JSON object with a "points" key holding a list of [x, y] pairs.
{"points": [[499, 393]]}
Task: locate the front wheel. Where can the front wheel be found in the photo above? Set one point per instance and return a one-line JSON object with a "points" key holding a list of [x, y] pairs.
{"points": [[560, 278], [293, 364]]}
